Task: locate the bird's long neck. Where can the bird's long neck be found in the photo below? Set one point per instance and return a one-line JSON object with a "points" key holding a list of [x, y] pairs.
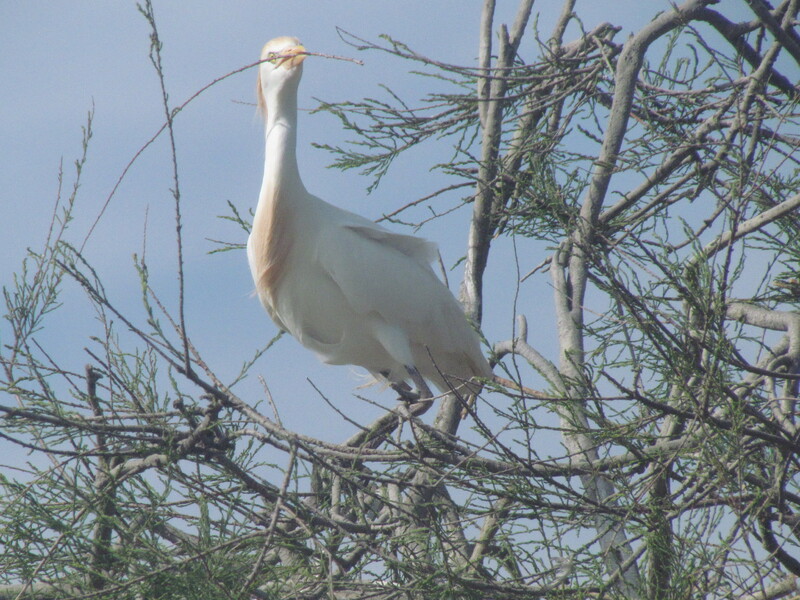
{"points": [[281, 190], [280, 158]]}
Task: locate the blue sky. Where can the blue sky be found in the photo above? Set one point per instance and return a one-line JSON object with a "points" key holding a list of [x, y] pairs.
{"points": [[58, 60]]}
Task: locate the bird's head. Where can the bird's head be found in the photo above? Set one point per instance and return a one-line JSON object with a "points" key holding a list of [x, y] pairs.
{"points": [[283, 63]]}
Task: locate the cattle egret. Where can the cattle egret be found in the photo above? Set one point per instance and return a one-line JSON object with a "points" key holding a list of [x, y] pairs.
{"points": [[343, 286]]}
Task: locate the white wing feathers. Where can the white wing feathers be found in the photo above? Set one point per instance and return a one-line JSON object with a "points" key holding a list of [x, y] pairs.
{"points": [[387, 279], [423, 251], [381, 272]]}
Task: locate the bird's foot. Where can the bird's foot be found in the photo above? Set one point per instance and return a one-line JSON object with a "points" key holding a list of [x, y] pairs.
{"points": [[404, 392], [423, 391]]}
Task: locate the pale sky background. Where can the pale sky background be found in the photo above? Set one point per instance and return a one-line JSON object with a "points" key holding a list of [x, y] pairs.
{"points": [[57, 59]]}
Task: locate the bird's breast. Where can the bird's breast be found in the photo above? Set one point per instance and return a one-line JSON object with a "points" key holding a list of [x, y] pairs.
{"points": [[270, 245]]}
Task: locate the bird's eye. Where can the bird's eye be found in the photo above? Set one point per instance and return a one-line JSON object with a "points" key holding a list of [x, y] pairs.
{"points": [[275, 58]]}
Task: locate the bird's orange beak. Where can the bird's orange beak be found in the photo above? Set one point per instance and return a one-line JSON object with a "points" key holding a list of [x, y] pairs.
{"points": [[292, 57]]}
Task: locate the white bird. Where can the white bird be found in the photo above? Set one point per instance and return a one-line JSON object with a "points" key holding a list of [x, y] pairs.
{"points": [[344, 287]]}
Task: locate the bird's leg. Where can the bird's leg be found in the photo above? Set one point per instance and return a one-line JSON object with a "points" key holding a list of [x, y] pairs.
{"points": [[401, 388], [422, 387]]}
